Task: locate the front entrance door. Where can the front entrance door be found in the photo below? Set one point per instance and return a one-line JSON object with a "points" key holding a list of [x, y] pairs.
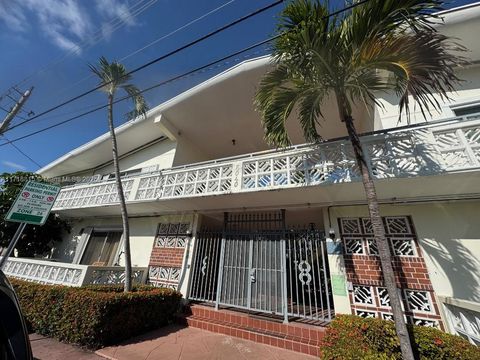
{"points": [[253, 271]]}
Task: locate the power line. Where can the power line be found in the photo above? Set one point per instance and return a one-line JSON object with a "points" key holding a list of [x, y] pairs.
{"points": [[156, 41], [154, 61], [178, 77], [97, 37], [21, 152]]}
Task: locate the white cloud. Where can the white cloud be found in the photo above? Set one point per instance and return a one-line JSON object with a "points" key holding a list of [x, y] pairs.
{"points": [[13, 165], [116, 9], [107, 30], [63, 21], [66, 22], [12, 15]]}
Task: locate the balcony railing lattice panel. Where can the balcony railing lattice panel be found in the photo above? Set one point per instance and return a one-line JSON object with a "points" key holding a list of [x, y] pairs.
{"points": [[428, 150]]}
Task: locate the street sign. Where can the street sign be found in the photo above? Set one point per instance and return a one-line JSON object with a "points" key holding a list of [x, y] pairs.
{"points": [[34, 203]]}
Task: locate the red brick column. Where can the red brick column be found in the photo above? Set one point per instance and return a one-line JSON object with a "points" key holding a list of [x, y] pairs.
{"points": [[368, 297], [168, 250]]}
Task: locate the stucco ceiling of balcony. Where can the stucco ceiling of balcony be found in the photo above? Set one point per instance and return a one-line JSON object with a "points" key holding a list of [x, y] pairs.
{"points": [[218, 118]]}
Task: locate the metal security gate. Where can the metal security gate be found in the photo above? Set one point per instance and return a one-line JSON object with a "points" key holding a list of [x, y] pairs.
{"points": [[308, 280], [258, 265], [203, 284], [267, 273]]}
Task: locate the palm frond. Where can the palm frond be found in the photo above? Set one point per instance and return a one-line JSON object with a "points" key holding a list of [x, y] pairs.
{"points": [[139, 103], [421, 65], [110, 74], [309, 112], [349, 55]]}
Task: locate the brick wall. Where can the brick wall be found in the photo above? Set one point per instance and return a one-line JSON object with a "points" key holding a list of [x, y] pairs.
{"points": [[168, 250], [368, 297]]}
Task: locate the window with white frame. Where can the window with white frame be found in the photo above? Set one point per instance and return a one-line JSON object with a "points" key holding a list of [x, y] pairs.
{"points": [[102, 247], [363, 295]]}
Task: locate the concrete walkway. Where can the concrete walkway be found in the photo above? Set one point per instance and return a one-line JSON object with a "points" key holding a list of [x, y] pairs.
{"points": [[176, 342], [44, 348]]}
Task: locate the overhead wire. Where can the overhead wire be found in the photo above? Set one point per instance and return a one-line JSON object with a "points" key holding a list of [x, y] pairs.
{"points": [[156, 60], [175, 78], [21, 152], [156, 41], [97, 36]]}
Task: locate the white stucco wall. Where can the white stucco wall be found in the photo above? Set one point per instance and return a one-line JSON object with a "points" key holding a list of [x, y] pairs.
{"points": [[161, 154], [142, 234], [187, 153], [467, 91], [449, 236]]}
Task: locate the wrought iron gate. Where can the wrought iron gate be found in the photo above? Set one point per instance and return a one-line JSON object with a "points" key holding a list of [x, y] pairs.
{"points": [[203, 283], [308, 280], [256, 264]]}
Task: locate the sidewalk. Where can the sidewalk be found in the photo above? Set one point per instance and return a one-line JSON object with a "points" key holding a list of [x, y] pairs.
{"points": [[176, 342], [50, 349]]}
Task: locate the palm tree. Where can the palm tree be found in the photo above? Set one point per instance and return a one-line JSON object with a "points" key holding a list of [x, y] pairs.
{"points": [[113, 76], [379, 45]]}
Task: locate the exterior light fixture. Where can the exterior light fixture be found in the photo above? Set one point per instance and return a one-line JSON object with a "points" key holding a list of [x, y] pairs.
{"points": [[331, 234]]}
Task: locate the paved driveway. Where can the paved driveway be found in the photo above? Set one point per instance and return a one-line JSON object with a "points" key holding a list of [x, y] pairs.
{"points": [[176, 342]]}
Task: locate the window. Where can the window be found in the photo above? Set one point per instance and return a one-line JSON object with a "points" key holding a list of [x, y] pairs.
{"points": [[466, 110], [101, 248]]}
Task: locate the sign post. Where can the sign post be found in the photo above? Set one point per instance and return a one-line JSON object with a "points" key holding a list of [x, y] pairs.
{"points": [[32, 206]]}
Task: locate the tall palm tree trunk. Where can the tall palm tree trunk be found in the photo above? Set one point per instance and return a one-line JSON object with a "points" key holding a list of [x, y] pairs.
{"points": [[121, 197], [379, 235]]}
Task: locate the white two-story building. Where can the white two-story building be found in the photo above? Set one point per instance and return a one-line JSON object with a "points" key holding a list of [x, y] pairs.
{"points": [[231, 223]]}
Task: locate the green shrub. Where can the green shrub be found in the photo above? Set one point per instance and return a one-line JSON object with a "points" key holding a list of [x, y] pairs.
{"points": [[351, 337], [95, 316]]}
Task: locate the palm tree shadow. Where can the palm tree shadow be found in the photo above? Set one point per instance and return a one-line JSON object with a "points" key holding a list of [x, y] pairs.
{"points": [[456, 264], [408, 153]]}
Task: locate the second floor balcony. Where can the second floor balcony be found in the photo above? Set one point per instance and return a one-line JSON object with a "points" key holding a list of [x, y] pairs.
{"points": [[430, 149]]}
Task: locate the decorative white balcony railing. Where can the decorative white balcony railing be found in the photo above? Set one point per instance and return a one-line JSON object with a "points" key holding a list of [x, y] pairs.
{"points": [[440, 147], [57, 273]]}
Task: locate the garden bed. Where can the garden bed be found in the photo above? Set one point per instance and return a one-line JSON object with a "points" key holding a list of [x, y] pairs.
{"points": [[95, 316], [351, 337]]}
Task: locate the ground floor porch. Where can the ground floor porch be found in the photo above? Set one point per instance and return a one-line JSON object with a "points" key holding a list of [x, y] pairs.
{"points": [[300, 265]]}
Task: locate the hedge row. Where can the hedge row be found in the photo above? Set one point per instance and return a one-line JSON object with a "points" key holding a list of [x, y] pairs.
{"points": [[351, 337], [95, 316]]}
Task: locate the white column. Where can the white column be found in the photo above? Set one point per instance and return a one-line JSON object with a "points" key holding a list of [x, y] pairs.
{"points": [[336, 264]]}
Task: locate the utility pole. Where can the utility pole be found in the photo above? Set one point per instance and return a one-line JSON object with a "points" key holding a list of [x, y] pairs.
{"points": [[9, 117]]}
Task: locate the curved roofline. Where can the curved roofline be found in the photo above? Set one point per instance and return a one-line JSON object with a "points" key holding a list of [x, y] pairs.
{"points": [[237, 69], [460, 14], [230, 72]]}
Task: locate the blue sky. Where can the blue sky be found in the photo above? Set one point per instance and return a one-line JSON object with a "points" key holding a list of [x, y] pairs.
{"points": [[49, 43]]}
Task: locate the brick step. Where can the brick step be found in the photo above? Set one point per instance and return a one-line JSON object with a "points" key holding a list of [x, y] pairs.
{"points": [[301, 338]]}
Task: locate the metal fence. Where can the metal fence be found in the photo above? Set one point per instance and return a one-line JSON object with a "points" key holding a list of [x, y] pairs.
{"points": [[308, 280], [203, 284], [256, 264]]}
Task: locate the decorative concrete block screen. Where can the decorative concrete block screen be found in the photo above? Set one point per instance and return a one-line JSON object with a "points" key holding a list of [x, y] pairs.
{"points": [[368, 296], [167, 254]]}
